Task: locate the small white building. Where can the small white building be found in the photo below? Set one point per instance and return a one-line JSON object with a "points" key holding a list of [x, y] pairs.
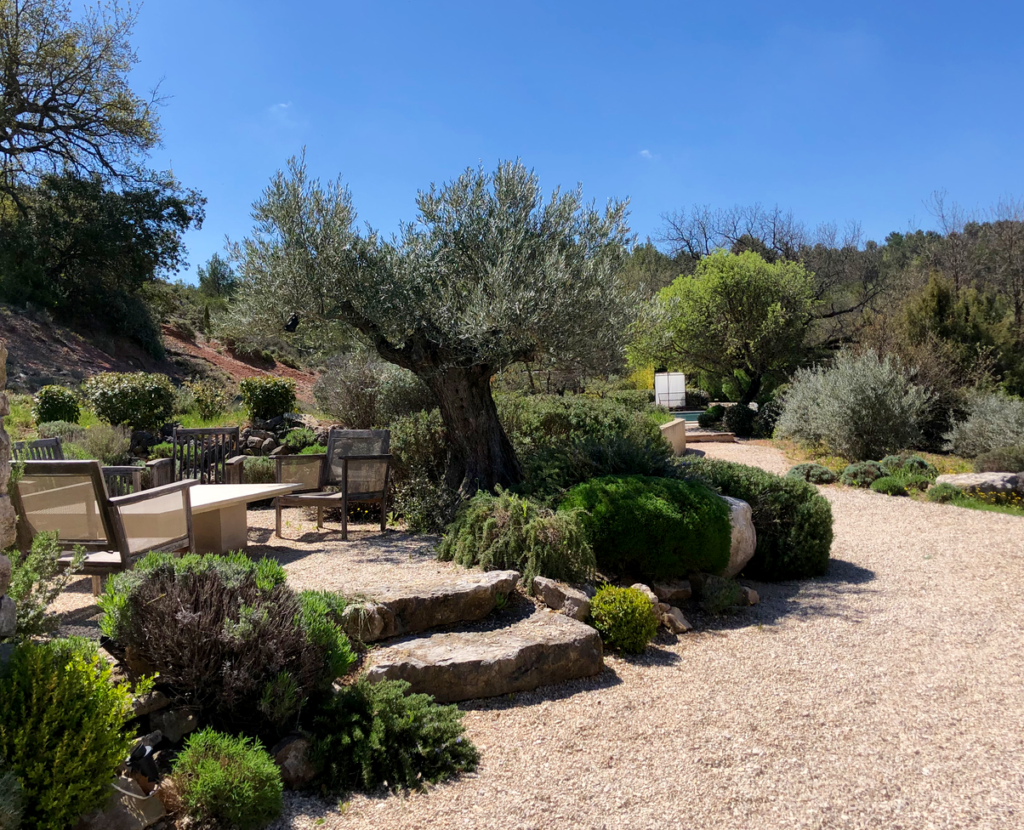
{"points": [[670, 389]]}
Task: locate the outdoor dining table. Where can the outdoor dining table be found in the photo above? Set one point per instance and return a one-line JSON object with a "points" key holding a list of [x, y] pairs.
{"points": [[219, 522]]}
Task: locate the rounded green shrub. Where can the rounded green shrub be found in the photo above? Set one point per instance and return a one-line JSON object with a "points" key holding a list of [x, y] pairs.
{"points": [[792, 519], [134, 399], [891, 464], [739, 420], [915, 482], [369, 734], [659, 527], [299, 439], [624, 617], [228, 781], [506, 531], [889, 485], [814, 473], [862, 474], [55, 403], [267, 397], [62, 729], [944, 493], [712, 416], [1001, 460]]}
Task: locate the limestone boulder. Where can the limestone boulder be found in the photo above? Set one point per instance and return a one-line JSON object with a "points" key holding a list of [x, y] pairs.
{"points": [[973, 483], [545, 648], [675, 622], [678, 591], [559, 597], [5, 574], [8, 617], [292, 757], [148, 703], [125, 812], [647, 592], [175, 724], [744, 536]]}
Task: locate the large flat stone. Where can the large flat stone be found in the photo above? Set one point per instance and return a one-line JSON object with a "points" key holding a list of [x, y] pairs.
{"points": [[545, 648], [999, 483], [411, 610]]}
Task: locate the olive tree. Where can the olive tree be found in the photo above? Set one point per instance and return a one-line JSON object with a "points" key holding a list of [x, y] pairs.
{"points": [[489, 273], [735, 313]]}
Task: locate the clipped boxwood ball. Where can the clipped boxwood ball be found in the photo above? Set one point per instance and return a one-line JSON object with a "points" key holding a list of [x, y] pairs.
{"points": [[624, 617]]}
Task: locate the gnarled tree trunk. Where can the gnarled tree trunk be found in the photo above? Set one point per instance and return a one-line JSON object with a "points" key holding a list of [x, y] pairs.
{"points": [[482, 456]]}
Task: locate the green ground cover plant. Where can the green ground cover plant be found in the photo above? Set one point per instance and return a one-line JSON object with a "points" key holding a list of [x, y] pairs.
{"points": [[792, 519], [228, 781], [657, 527], [507, 531], [624, 617]]}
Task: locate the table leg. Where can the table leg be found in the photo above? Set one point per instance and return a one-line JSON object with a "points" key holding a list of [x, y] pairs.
{"points": [[221, 531]]}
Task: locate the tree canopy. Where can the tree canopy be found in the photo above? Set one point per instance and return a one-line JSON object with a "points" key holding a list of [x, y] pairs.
{"points": [[65, 101], [490, 272], [736, 313]]}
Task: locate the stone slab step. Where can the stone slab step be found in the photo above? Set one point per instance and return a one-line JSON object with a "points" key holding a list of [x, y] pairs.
{"points": [[710, 438], [545, 648], [410, 610]]}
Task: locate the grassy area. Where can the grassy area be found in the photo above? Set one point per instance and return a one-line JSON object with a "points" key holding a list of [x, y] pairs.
{"points": [[977, 504], [232, 418], [797, 454]]}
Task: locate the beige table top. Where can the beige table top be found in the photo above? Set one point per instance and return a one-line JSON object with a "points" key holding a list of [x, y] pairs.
{"points": [[209, 497]]}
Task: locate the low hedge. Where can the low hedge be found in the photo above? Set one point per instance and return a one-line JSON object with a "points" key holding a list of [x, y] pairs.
{"points": [[657, 527], [793, 521], [814, 473]]}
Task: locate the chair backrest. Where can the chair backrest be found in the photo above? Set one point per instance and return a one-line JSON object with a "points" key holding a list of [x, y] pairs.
{"points": [[43, 449], [200, 454], [305, 470], [159, 519], [121, 481], [68, 497], [365, 476]]}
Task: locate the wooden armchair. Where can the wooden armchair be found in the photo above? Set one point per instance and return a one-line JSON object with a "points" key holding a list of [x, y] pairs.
{"points": [[42, 449], [209, 456], [70, 497], [356, 468]]}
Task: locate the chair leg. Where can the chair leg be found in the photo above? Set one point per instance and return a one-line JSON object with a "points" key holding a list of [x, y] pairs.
{"points": [[344, 519], [97, 585], [277, 522], [319, 518], [383, 516]]}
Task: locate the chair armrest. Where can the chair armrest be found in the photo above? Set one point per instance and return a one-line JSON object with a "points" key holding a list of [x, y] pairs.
{"points": [[234, 470], [153, 492], [161, 471], [382, 457]]}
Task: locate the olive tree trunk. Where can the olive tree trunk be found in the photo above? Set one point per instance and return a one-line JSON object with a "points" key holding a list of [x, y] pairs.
{"points": [[481, 454]]}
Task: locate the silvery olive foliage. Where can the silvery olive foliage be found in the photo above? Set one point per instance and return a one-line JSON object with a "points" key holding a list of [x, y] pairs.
{"points": [[490, 272], [861, 406], [993, 421]]}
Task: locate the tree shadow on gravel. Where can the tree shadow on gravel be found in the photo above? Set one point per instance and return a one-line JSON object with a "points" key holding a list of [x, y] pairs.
{"points": [[391, 547], [834, 595]]}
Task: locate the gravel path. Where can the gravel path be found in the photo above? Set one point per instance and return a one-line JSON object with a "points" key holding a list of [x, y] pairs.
{"points": [[889, 694]]}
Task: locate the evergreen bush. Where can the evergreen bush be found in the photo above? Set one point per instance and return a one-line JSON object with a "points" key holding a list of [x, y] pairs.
{"points": [[136, 399], [739, 420], [221, 630], [228, 781], [106, 443], [299, 439], [65, 430], [944, 493], [862, 474], [889, 485], [1001, 460], [208, 398], [860, 407], [792, 519], [266, 397], [658, 527], [363, 391], [624, 617], [993, 421], [37, 580], [711, 417], [814, 473], [55, 403], [372, 734], [719, 595], [62, 729], [509, 532]]}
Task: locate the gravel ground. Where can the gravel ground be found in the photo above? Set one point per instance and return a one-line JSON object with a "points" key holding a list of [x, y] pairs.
{"points": [[887, 694]]}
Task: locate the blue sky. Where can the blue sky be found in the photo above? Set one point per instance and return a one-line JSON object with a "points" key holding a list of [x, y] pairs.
{"points": [[836, 111]]}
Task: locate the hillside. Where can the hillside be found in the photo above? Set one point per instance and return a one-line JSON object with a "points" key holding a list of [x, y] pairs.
{"points": [[41, 352]]}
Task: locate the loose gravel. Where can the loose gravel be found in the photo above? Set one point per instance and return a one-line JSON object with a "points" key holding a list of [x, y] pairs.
{"points": [[888, 694]]}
